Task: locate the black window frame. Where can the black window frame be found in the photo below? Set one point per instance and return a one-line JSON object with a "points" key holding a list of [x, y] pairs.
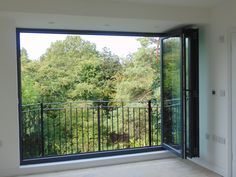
{"points": [[94, 154], [81, 155]]}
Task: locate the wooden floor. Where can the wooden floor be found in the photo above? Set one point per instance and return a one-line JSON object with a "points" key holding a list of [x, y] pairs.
{"points": [[158, 168]]}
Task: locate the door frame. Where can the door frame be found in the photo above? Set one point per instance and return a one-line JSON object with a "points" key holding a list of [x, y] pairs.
{"points": [[193, 35], [173, 33]]}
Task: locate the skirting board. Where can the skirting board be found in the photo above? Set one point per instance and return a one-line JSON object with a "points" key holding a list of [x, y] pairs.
{"points": [[217, 169]]}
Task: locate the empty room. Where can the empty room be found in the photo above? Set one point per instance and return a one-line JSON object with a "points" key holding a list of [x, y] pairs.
{"points": [[117, 88]]}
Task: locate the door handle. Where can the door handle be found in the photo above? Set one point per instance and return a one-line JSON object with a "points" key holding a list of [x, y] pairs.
{"points": [[193, 93]]}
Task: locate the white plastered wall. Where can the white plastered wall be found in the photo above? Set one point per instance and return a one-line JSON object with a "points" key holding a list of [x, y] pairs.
{"points": [[215, 123], [9, 153]]}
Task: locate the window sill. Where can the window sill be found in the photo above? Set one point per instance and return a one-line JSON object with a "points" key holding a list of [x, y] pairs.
{"points": [[93, 162]]}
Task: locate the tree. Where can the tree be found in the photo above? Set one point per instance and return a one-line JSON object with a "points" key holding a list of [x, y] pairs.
{"points": [[139, 78], [29, 86], [172, 65], [73, 70]]}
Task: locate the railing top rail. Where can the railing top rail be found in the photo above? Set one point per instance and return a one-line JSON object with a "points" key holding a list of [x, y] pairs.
{"points": [[100, 102], [93, 101]]}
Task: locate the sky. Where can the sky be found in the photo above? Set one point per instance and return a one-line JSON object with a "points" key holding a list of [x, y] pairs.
{"points": [[36, 44]]}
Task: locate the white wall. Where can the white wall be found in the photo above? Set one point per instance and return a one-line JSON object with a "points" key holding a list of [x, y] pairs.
{"points": [[9, 153], [215, 112], [213, 108], [233, 71]]}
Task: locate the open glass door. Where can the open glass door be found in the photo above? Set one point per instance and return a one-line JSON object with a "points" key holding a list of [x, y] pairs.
{"points": [[191, 68], [172, 93], [180, 93]]}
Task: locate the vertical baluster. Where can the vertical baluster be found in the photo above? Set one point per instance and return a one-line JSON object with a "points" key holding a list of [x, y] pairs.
{"points": [[117, 117], [39, 132], [134, 126], [112, 126], [128, 128], [177, 116], [139, 128], [102, 126], [173, 119], [65, 131], [145, 127], [71, 131], [48, 132], [82, 129], [107, 113], [88, 130], [123, 123], [54, 135], [60, 131], [35, 134], [24, 129], [30, 133], [99, 128], [93, 131], [77, 133], [157, 127], [150, 122]]}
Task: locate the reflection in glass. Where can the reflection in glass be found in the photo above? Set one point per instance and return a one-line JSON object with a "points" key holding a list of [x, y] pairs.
{"points": [[172, 121], [187, 85]]}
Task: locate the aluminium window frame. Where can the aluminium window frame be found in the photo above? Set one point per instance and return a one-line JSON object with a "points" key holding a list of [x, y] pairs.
{"points": [[81, 155]]}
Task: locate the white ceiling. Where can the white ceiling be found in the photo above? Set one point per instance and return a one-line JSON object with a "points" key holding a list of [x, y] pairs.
{"points": [[49, 21], [191, 3], [108, 15]]}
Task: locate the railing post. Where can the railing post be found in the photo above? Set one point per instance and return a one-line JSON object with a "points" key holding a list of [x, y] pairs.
{"points": [[71, 129], [42, 129], [123, 126], [99, 129], [150, 122]]}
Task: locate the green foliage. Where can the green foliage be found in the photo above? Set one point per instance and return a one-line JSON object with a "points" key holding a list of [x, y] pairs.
{"points": [[172, 65], [73, 70], [139, 78], [30, 92]]}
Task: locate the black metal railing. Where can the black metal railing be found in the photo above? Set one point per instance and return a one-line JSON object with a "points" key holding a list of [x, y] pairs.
{"points": [[59, 129], [173, 122]]}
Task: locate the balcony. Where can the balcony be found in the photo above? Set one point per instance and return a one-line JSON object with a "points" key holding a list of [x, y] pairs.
{"points": [[66, 131]]}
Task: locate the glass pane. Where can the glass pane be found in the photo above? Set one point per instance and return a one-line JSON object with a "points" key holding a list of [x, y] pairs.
{"points": [[172, 93], [191, 92], [187, 72]]}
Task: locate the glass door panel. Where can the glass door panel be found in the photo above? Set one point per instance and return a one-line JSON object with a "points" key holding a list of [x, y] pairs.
{"points": [[191, 92], [179, 93], [172, 93]]}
